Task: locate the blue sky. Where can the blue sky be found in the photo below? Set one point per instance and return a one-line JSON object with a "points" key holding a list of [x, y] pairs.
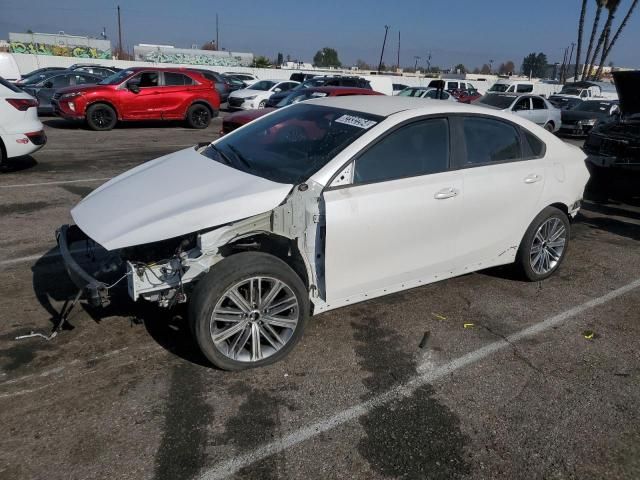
{"points": [[461, 31]]}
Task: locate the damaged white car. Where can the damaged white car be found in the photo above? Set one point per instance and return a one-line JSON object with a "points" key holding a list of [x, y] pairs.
{"points": [[324, 204]]}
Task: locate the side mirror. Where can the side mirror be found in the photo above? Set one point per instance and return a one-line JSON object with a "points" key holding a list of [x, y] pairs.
{"points": [[133, 87], [48, 84]]}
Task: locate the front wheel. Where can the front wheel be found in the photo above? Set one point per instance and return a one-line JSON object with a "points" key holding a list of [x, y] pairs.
{"points": [[262, 104], [249, 311], [544, 245], [101, 117], [198, 116]]}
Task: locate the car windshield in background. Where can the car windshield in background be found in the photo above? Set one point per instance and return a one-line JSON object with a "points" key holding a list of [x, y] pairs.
{"points": [[299, 97], [570, 91], [499, 87], [412, 92], [290, 145], [496, 101], [263, 85], [593, 107], [116, 78]]}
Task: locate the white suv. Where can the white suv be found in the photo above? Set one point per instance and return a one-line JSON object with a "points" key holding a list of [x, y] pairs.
{"points": [[21, 133]]}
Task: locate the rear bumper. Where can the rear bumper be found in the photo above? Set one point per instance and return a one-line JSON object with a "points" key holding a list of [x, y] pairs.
{"points": [[96, 291], [17, 145]]}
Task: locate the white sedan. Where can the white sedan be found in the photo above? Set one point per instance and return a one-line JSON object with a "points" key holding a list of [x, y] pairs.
{"points": [[531, 107], [426, 92], [257, 94], [327, 203], [21, 133]]}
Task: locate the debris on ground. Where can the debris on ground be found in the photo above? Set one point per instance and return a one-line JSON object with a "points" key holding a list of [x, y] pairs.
{"points": [[425, 339], [468, 325]]}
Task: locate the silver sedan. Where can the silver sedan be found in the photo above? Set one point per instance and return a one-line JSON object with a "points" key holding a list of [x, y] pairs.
{"points": [[531, 107]]}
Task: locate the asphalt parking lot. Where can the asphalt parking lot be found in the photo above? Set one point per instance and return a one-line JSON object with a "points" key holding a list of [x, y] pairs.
{"points": [[478, 377]]}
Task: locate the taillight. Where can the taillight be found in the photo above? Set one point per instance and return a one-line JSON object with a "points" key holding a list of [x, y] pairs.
{"points": [[23, 104]]}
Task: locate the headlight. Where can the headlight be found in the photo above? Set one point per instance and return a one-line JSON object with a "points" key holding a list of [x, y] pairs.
{"points": [[250, 98], [71, 95], [591, 122]]}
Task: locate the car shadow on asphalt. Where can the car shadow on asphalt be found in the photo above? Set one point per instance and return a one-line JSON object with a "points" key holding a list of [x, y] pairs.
{"points": [[169, 328], [17, 164], [63, 124]]}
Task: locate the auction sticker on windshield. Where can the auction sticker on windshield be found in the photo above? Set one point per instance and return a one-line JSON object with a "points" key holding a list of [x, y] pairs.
{"points": [[356, 121]]}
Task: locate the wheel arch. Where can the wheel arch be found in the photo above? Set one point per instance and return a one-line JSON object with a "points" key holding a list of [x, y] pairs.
{"points": [[3, 151], [104, 102], [200, 101]]}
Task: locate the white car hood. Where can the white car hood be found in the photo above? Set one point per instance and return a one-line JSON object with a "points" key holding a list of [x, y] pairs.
{"points": [[247, 92], [171, 196]]}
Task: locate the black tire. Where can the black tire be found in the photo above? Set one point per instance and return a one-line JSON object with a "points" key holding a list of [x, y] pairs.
{"points": [[101, 117], [3, 155], [262, 104], [524, 261], [211, 290], [198, 116], [549, 126]]}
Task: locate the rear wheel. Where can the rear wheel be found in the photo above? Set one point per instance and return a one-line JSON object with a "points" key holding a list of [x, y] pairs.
{"points": [[198, 116], [549, 127], [544, 245], [101, 117], [262, 104], [249, 311]]}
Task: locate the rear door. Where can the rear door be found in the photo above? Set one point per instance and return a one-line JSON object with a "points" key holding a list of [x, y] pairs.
{"points": [[539, 111], [49, 86], [175, 94], [503, 184], [397, 221], [522, 108]]}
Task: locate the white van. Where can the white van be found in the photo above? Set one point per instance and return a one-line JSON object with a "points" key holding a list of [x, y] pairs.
{"points": [[8, 67], [525, 86], [451, 84]]}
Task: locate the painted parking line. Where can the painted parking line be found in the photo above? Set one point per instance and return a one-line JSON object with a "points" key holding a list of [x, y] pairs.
{"points": [[37, 256], [235, 464], [58, 182]]}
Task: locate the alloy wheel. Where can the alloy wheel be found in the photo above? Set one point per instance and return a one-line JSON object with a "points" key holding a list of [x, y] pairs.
{"points": [[200, 117], [548, 246], [254, 319], [101, 117]]}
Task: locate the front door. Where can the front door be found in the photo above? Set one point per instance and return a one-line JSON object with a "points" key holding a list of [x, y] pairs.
{"points": [[503, 184], [143, 104], [398, 220]]}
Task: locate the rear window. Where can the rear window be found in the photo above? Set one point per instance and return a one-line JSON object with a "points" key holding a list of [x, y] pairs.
{"points": [[10, 86], [497, 101], [535, 144]]}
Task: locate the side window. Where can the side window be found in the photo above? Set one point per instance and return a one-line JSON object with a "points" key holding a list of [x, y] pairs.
{"points": [[538, 103], [60, 81], [489, 141], [147, 79], [420, 148], [536, 145], [452, 86], [522, 104], [172, 79], [524, 88], [84, 79]]}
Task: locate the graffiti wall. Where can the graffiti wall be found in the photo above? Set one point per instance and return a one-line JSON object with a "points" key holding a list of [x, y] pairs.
{"points": [[191, 57], [59, 45], [60, 51]]}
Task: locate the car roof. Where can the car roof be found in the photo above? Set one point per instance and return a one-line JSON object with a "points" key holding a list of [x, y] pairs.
{"points": [[384, 105], [330, 90]]}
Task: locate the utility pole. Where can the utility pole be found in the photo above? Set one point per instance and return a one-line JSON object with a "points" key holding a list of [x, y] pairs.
{"points": [[119, 34], [564, 65], [573, 44], [217, 34], [398, 49], [491, 66], [415, 67], [384, 42], [429, 62]]}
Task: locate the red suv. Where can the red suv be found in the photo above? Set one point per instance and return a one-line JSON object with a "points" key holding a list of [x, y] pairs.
{"points": [[141, 94]]}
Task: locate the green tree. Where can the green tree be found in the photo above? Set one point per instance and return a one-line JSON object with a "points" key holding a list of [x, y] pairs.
{"points": [[507, 68], [362, 65], [485, 70], [607, 49], [460, 68], [583, 10], [261, 62], [326, 57], [280, 59], [535, 65]]}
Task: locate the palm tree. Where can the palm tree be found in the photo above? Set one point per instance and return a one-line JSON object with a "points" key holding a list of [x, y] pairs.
{"points": [[612, 7], [580, 29], [606, 51], [594, 29]]}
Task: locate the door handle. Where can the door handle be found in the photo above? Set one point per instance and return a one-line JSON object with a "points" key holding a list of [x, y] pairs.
{"points": [[532, 178], [446, 193]]}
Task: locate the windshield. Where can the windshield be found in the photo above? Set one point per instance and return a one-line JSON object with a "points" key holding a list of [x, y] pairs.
{"points": [[570, 91], [497, 101], [593, 107], [412, 92], [290, 145], [262, 85], [499, 87], [299, 96], [116, 78]]}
